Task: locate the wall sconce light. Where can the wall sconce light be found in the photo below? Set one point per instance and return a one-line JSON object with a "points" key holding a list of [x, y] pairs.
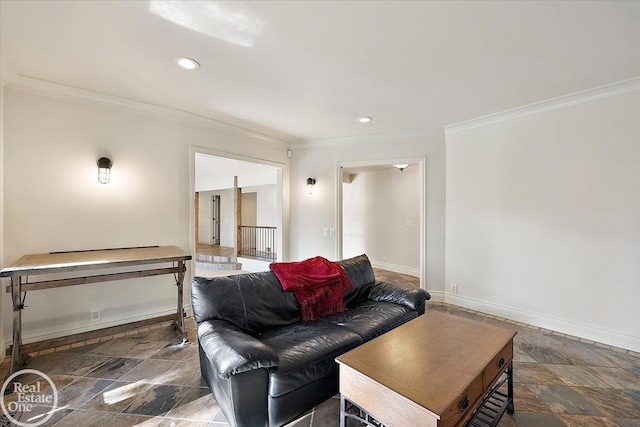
{"points": [[311, 183], [402, 166], [104, 170]]}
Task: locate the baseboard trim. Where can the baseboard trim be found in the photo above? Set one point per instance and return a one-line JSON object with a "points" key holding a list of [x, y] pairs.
{"points": [[415, 272], [93, 326], [436, 296], [579, 330]]}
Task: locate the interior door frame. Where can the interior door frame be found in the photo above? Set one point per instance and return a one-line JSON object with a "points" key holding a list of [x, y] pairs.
{"points": [[421, 162], [282, 202], [215, 212]]}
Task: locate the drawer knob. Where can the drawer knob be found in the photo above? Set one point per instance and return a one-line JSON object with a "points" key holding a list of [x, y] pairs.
{"points": [[464, 404], [501, 362]]}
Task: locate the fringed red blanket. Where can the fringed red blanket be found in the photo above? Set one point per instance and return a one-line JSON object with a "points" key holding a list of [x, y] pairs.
{"points": [[317, 283]]}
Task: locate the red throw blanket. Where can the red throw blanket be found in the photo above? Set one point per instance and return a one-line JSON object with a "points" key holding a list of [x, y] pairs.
{"points": [[317, 283]]}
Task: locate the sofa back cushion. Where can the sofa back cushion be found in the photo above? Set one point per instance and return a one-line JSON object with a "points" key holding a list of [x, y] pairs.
{"points": [[253, 301], [361, 274], [256, 302]]}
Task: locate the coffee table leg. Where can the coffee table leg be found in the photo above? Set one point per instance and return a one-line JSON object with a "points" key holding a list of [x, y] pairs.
{"points": [[342, 411]]}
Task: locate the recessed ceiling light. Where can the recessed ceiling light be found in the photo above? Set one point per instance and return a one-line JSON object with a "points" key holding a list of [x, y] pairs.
{"points": [[365, 119], [187, 63]]}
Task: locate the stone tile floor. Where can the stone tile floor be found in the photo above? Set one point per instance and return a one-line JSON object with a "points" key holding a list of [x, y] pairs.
{"points": [[147, 378], [558, 381]]}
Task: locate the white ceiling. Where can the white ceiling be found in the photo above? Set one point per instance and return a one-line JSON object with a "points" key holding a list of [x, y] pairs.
{"points": [[305, 70], [217, 173]]}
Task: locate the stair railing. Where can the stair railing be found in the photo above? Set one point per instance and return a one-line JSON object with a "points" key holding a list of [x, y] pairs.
{"points": [[258, 242]]}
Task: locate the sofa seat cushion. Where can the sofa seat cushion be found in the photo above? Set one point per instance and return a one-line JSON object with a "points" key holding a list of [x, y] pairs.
{"points": [[370, 319], [307, 351]]}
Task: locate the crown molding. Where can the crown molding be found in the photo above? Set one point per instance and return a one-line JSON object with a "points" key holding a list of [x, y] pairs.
{"points": [[624, 87], [368, 139], [57, 90]]}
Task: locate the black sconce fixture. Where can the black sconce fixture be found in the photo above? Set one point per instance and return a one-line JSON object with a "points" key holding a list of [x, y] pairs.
{"points": [[104, 170], [311, 182]]}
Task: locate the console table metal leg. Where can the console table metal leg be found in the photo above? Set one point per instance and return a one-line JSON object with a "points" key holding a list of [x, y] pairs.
{"points": [[342, 411], [16, 297], [180, 322]]}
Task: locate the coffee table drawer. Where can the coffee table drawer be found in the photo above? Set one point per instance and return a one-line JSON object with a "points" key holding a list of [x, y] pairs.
{"points": [[463, 404], [498, 365]]}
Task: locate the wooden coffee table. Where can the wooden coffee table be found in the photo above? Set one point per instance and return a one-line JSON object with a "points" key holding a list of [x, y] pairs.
{"points": [[437, 370]]}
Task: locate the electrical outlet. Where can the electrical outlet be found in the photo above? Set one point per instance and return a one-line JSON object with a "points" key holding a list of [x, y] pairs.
{"points": [[95, 314], [454, 288], [384, 259], [332, 232], [325, 232]]}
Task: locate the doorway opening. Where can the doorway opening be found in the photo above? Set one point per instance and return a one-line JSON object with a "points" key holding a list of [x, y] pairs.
{"points": [[234, 196], [381, 212]]}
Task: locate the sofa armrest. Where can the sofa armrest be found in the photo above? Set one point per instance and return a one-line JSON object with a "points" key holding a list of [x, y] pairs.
{"points": [[397, 293], [232, 351]]}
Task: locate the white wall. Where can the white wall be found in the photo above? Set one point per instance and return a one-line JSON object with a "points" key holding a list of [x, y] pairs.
{"points": [[266, 204], [542, 219], [4, 76], [381, 217], [53, 201], [311, 213], [249, 208]]}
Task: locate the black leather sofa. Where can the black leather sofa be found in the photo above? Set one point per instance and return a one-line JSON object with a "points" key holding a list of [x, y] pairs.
{"points": [[264, 366]]}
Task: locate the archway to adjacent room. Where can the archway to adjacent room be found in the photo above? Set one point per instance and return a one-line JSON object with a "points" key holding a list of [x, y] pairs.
{"points": [[381, 211], [226, 235]]}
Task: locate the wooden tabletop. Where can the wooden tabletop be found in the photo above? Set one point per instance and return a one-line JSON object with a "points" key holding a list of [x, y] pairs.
{"points": [[430, 358], [93, 259]]}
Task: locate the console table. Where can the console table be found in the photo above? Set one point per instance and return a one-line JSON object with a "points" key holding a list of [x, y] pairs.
{"points": [[79, 264]]}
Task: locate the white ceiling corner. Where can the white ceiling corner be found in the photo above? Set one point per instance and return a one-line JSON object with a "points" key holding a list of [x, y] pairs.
{"points": [[608, 91]]}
